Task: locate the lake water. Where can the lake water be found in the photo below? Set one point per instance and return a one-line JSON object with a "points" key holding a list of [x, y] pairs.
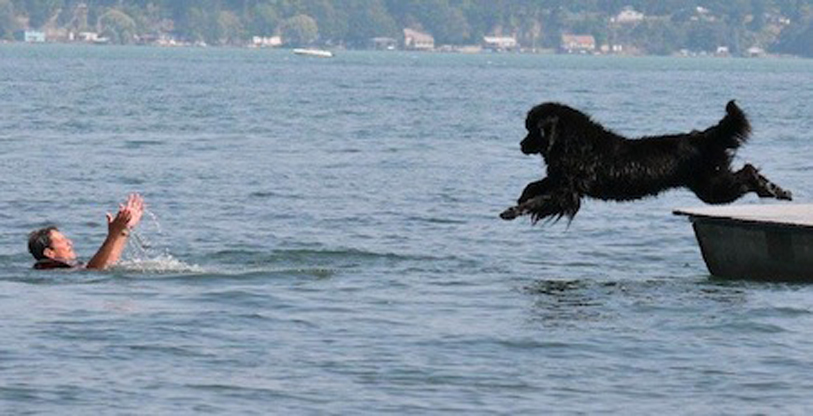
{"points": [[323, 238]]}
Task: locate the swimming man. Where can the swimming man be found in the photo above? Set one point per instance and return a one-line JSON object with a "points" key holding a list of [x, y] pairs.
{"points": [[53, 250]]}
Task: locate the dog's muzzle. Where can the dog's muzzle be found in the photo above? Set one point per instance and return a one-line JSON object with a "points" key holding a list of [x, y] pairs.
{"points": [[530, 145]]}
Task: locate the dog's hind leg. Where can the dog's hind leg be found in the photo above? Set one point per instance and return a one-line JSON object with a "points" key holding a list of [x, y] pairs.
{"points": [[764, 187], [729, 186]]}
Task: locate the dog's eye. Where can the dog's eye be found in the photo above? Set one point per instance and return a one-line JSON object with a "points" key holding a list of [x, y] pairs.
{"points": [[547, 125], [541, 130]]}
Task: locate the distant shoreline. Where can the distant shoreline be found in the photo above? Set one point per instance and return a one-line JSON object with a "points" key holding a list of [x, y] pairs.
{"points": [[440, 50]]}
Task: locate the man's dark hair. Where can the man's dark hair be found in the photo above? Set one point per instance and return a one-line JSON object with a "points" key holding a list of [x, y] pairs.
{"points": [[39, 240]]}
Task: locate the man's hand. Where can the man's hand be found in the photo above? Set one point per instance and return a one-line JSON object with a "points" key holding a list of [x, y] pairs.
{"points": [[118, 228], [128, 217]]}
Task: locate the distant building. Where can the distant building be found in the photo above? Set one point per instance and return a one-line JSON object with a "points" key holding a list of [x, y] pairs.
{"points": [[615, 48], [266, 41], [30, 36], [703, 14], [161, 39], [628, 15], [87, 37], [755, 52], [578, 44], [54, 34], [384, 43], [500, 43], [418, 41]]}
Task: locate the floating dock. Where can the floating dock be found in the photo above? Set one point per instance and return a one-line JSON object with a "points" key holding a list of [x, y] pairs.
{"points": [[762, 242]]}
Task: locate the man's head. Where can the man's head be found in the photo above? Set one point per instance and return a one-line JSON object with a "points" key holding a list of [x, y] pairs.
{"points": [[49, 243]]}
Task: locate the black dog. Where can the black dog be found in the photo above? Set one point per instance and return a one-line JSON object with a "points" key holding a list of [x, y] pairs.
{"points": [[585, 159]]}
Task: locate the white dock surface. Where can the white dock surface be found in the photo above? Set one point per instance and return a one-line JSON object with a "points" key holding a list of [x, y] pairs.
{"points": [[800, 215]]}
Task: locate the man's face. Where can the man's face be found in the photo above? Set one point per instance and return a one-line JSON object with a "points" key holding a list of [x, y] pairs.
{"points": [[61, 247]]}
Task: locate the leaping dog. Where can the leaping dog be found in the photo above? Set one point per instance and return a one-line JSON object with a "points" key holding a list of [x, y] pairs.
{"points": [[585, 159]]}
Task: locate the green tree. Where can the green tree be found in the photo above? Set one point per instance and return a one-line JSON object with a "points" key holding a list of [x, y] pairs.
{"points": [[795, 39], [332, 21], [552, 27], [118, 27], [40, 11], [706, 36], [193, 19], [300, 30], [7, 22], [368, 19], [263, 20], [228, 28], [446, 23], [481, 17], [197, 26], [758, 22], [657, 37]]}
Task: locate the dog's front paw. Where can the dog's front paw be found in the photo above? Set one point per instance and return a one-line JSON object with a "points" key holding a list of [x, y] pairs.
{"points": [[510, 213]]}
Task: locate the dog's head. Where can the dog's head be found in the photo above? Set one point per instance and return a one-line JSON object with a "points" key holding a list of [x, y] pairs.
{"points": [[542, 122]]}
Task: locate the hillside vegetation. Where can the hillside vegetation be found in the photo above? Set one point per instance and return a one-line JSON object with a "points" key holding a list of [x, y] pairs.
{"points": [[657, 26]]}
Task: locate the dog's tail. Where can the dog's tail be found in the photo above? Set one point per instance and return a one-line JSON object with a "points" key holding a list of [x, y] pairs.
{"points": [[732, 131]]}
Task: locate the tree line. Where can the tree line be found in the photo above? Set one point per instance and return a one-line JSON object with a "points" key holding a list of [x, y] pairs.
{"points": [[784, 26]]}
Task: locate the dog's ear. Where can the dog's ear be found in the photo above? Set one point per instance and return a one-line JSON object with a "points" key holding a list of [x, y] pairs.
{"points": [[547, 129]]}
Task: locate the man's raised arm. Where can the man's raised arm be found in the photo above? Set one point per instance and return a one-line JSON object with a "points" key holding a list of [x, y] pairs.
{"points": [[118, 230]]}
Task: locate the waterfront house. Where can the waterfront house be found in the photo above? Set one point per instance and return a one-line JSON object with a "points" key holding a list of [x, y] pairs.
{"points": [[89, 37], [578, 44], [30, 36], [418, 41], [755, 52], [266, 41], [500, 43]]}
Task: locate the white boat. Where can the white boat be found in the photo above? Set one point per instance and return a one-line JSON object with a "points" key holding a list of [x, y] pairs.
{"points": [[764, 242], [319, 53]]}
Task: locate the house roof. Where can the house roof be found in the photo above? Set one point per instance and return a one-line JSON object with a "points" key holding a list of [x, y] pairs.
{"points": [[580, 39], [418, 36]]}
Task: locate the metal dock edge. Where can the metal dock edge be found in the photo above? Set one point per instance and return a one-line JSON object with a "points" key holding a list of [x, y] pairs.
{"points": [[762, 242]]}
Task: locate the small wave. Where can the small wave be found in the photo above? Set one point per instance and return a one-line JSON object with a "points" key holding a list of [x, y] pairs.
{"points": [[434, 220], [308, 257], [262, 272], [263, 194], [164, 263], [136, 144], [316, 272]]}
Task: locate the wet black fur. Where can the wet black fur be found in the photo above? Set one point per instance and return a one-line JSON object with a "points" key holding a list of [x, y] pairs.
{"points": [[585, 159]]}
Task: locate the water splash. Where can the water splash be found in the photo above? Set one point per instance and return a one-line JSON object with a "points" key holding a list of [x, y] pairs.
{"points": [[145, 252], [163, 263]]}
